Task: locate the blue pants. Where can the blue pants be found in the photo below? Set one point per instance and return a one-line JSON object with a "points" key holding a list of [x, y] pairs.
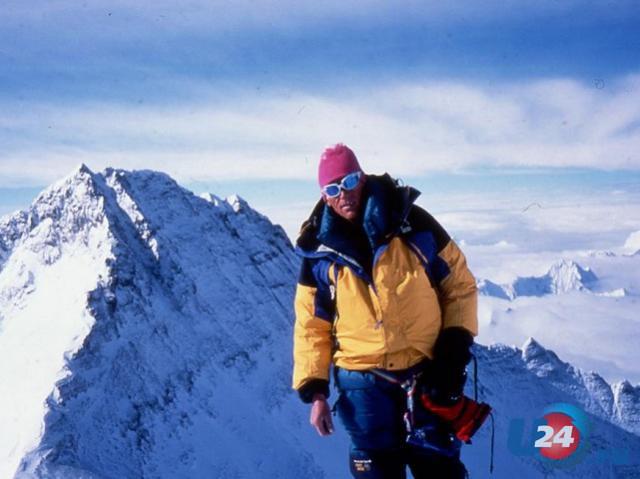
{"points": [[371, 410]]}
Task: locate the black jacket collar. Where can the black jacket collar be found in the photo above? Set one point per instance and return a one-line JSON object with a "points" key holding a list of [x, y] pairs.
{"points": [[385, 209]]}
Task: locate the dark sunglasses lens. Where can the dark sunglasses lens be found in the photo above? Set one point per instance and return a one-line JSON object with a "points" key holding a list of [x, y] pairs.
{"points": [[332, 190]]}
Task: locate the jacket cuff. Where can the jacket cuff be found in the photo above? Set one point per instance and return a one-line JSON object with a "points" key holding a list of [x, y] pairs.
{"points": [[313, 387]]}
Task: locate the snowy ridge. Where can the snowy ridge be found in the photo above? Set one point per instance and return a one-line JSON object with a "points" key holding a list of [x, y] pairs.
{"points": [[520, 383], [563, 276], [58, 253], [146, 332], [587, 388], [178, 327]]}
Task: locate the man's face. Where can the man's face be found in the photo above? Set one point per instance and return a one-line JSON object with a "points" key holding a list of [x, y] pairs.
{"points": [[348, 203]]}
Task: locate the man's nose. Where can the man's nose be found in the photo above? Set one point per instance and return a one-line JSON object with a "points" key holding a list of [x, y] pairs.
{"points": [[346, 193]]}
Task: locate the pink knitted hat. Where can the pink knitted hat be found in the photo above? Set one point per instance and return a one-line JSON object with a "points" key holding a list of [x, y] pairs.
{"points": [[336, 162]]}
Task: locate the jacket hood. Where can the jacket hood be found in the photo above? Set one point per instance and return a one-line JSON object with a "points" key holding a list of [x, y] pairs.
{"points": [[386, 206]]}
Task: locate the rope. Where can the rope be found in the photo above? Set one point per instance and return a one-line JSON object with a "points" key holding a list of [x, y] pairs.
{"points": [[409, 387], [475, 378], [475, 395], [493, 432]]}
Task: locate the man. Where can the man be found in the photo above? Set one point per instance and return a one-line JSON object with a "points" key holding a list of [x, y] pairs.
{"points": [[385, 296]]}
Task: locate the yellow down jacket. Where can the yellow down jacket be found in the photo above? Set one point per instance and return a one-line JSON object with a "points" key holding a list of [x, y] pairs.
{"points": [[384, 309]]}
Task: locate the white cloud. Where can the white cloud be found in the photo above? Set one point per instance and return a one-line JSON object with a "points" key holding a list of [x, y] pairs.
{"points": [[411, 129]]}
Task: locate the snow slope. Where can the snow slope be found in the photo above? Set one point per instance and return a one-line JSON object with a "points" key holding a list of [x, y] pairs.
{"points": [[146, 332], [53, 256], [153, 323]]}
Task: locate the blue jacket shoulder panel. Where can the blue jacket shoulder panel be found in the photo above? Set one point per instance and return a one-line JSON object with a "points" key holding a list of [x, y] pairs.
{"points": [[314, 273], [426, 235]]}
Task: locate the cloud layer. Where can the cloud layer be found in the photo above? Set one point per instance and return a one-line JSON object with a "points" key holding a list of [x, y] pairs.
{"points": [[417, 128]]}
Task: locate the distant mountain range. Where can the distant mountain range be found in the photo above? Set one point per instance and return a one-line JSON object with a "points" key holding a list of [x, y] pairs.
{"points": [[146, 332], [562, 277]]}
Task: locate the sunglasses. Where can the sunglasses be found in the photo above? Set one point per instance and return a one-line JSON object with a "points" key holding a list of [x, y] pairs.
{"points": [[348, 183]]}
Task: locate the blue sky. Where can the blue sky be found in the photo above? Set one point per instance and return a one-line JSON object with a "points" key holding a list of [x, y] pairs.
{"points": [[69, 50], [238, 93]]}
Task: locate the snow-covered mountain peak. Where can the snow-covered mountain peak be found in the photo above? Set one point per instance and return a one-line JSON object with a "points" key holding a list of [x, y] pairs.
{"points": [[148, 319], [216, 200], [531, 347], [237, 203], [63, 214], [82, 168], [566, 275], [624, 387], [489, 288], [563, 276], [541, 360], [627, 405], [72, 183], [619, 402]]}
